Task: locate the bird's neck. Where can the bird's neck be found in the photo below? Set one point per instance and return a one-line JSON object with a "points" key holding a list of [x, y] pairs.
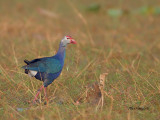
{"points": [[61, 52]]}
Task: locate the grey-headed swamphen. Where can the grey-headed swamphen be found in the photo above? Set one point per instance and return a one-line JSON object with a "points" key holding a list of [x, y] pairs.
{"points": [[47, 69]]}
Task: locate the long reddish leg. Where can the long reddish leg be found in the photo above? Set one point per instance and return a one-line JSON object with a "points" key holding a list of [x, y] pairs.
{"points": [[45, 93], [39, 90]]}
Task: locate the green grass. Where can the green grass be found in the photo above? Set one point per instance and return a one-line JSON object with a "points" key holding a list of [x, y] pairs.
{"points": [[127, 47]]}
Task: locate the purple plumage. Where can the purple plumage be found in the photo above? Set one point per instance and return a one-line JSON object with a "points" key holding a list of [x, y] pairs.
{"points": [[47, 69]]}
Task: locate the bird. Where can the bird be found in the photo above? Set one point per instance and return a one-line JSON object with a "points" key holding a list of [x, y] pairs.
{"points": [[47, 69]]}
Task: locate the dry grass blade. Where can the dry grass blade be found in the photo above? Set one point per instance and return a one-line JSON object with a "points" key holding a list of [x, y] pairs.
{"points": [[81, 97], [8, 78], [101, 87], [47, 13], [14, 53], [91, 95], [17, 113], [83, 20], [102, 80], [84, 69], [94, 93]]}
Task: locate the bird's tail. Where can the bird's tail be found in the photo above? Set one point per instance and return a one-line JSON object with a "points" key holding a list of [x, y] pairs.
{"points": [[26, 61], [26, 71]]}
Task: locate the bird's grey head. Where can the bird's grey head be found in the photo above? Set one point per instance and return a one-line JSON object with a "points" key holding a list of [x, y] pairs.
{"points": [[66, 40]]}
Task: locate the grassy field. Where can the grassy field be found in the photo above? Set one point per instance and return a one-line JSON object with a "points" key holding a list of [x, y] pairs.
{"points": [[121, 38]]}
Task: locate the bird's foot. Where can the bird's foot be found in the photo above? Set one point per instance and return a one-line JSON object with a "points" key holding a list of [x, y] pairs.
{"points": [[34, 102], [46, 101]]}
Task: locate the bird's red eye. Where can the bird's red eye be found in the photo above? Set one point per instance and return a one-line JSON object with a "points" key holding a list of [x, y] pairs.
{"points": [[68, 37]]}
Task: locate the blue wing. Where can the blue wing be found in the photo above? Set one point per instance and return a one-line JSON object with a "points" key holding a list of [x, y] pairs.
{"points": [[48, 65]]}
